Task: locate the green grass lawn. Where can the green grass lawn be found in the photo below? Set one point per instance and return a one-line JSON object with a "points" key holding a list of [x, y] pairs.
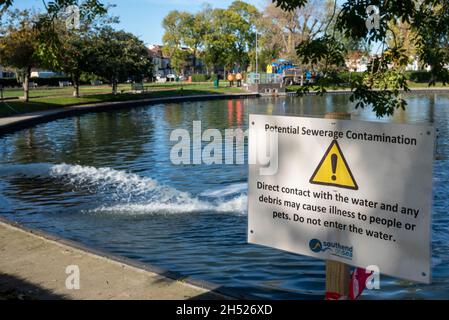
{"points": [[426, 85], [47, 99], [103, 89]]}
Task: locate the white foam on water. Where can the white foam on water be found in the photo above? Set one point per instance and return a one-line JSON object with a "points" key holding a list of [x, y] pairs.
{"points": [[130, 193], [233, 189], [237, 205]]}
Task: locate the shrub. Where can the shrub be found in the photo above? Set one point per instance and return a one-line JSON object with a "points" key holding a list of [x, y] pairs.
{"points": [[214, 77], [200, 77], [418, 76], [50, 82], [343, 77], [9, 82]]}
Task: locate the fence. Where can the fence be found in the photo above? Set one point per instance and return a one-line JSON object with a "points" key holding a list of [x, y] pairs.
{"points": [[263, 78]]}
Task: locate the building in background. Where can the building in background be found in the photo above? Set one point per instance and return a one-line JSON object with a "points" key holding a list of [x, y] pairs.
{"points": [[37, 73], [161, 62], [4, 73], [357, 63]]}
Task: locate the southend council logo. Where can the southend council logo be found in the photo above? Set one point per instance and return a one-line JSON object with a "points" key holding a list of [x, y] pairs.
{"points": [[334, 248]]}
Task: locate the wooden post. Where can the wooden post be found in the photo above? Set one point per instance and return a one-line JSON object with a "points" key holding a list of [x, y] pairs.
{"points": [[337, 273]]}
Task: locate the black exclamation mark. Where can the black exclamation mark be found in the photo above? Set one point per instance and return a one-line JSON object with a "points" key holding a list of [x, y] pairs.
{"points": [[334, 159]]}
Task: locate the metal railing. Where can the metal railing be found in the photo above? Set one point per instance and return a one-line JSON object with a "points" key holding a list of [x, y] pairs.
{"points": [[263, 78]]}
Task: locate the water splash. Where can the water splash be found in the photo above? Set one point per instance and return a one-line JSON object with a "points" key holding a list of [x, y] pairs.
{"points": [[230, 190], [127, 193]]}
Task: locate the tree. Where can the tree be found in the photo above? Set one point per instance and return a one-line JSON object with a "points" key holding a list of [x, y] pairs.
{"points": [[383, 81], [73, 52], [174, 24], [55, 7], [224, 36], [243, 19], [121, 56], [289, 28], [194, 29], [183, 38], [219, 41], [76, 55], [18, 47]]}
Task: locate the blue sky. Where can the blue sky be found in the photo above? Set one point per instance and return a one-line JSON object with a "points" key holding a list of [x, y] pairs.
{"points": [[144, 17]]}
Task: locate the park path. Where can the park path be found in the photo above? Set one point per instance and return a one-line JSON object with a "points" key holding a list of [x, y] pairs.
{"points": [[34, 267]]}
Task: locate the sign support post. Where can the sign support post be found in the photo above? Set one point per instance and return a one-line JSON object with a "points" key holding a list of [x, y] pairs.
{"points": [[337, 273]]}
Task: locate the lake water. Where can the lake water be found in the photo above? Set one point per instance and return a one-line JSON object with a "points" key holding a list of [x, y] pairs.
{"points": [[106, 180]]}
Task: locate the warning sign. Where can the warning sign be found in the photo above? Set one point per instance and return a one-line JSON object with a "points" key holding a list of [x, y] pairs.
{"points": [[351, 191], [333, 170], [269, 68]]}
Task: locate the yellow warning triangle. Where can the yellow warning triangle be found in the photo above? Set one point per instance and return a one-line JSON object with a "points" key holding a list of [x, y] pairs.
{"points": [[333, 170]]}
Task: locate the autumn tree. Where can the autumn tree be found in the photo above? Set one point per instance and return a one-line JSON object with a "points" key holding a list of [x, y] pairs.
{"points": [[19, 45], [74, 52]]}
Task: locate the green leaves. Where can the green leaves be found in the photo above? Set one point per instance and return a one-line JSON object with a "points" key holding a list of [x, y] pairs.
{"points": [[289, 5], [120, 56], [383, 102], [44, 41], [382, 84], [223, 36], [324, 48], [18, 44]]}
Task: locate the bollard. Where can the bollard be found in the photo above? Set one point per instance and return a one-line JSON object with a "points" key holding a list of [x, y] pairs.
{"points": [[337, 273]]}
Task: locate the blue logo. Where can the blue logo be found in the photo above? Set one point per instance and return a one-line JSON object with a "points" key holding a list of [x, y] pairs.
{"points": [[316, 245], [334, 248]]}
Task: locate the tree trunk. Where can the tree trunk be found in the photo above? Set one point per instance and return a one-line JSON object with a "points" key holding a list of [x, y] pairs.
{"points": [[114, 87], [290, 49], [26, 85], [194, 61], [76, 86]]}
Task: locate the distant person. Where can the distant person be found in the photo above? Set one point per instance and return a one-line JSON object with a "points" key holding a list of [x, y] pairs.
{"points": [[308, 76], [239, 78], [231, 79]]}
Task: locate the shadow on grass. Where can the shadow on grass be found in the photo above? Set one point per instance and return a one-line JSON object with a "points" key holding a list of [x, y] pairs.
{"points": [[13, 288]]}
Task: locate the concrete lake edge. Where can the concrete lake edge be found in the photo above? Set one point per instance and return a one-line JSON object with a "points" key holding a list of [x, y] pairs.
{"points": [[207, 290]]}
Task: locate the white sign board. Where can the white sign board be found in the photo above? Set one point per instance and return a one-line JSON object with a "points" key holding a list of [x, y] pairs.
{"points": [[350, 191]]}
